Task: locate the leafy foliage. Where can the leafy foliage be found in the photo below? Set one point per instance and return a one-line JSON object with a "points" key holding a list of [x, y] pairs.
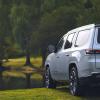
{"points": [[24, 20], [34, 24], [57, 23]]}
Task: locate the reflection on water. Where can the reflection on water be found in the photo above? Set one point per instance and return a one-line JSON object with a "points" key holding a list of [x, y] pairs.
{"points": [[13, 79]]}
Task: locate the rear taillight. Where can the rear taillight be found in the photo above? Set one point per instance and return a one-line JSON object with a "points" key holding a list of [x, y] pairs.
{"points": [[92, 51]]}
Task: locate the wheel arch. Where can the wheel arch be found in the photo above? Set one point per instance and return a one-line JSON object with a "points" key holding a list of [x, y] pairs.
{"points": [[71, 65], [46, 66]]}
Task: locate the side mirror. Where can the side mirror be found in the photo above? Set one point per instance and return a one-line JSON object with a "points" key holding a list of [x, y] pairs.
{"points": [[76, 45], [51, 48]]}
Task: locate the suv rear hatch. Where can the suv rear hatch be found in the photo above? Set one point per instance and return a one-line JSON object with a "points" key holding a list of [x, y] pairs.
{"points": [[97, 47]]}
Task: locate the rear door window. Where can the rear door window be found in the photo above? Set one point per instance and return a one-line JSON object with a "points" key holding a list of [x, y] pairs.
{"points": [[68, 42]]}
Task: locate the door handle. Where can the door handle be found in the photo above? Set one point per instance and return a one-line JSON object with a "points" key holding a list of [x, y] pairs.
{"points": [[67, 54], [57, 57]]}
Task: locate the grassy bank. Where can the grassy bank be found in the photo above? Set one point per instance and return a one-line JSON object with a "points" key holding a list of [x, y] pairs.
{"points": [[19, 62], [37, 94]]}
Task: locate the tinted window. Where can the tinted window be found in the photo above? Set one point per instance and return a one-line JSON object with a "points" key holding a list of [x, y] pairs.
{"points": [[68, 43], [82, 38], [60, 44], [98, 39]]}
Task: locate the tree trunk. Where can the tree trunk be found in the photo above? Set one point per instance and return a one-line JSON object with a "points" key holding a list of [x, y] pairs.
{"points": [[44, 52], [28, 62], [1, 80]]}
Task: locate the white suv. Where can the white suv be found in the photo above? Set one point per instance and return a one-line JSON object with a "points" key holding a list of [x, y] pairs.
{"points": [[75, 59]]}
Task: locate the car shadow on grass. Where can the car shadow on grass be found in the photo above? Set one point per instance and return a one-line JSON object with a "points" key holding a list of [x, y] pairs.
{"points": [[90, 93]]}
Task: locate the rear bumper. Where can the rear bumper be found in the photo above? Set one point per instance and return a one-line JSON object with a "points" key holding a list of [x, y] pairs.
{"points": [[94, 79]]}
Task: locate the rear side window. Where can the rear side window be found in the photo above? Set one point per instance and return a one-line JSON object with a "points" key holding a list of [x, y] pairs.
{"points": [[98, 38], [82, 38]]}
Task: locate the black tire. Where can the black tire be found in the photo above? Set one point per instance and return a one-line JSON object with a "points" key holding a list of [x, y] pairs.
{"points": [[49, 82], [75, 87]]}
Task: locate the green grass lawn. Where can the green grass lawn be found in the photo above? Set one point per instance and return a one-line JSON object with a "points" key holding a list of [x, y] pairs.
{"points": [[61, 93], [37, 94]]}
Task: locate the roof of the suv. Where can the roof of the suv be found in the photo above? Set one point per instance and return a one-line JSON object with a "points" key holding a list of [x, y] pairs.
{"points": [[82, 28]]}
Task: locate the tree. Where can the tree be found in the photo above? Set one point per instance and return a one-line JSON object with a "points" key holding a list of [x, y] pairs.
{"points": [[54, 25], [5, 27], [88, 4], [89, 14], [21, 28], [25, 17]]}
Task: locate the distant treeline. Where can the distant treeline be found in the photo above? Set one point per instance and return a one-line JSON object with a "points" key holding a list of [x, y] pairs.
{"points": [[27, 27]]}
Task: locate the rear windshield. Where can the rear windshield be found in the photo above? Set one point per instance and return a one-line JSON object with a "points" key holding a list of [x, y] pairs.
{"points": [[98, 38]]}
